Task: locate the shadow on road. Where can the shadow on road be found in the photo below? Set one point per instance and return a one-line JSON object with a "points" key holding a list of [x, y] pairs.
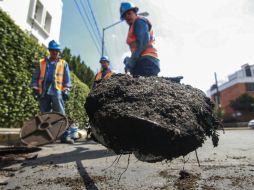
{"points": [[88, 182], [77, 155]]}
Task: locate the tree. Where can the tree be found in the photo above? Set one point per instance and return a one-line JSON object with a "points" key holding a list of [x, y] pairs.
{"points": [[244, 103], [79, 68], [219, 111]]}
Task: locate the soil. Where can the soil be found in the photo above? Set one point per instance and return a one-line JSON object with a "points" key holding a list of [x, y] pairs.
{"points": [[152, 117]]}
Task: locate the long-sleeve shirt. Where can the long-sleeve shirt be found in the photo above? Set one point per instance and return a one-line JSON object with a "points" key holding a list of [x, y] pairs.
{"points": [[49, 83], [142, 33]]}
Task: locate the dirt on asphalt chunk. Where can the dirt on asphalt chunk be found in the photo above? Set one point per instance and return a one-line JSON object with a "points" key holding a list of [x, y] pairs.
{"points": [[152, 117]]}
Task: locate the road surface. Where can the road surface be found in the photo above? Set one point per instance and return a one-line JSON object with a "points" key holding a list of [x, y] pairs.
{"points": [[88, 165]]}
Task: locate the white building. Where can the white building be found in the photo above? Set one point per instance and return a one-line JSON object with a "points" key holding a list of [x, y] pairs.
{"points": [[239, 83], [39, 18], [243, 76]]}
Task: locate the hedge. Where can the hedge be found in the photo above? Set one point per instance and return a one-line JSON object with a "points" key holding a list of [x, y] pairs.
{"points": [[75, 105], [18, 57]]}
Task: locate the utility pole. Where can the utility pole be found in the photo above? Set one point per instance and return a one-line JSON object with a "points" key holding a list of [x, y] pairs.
{"points": [[217, 90], [103, 33]]}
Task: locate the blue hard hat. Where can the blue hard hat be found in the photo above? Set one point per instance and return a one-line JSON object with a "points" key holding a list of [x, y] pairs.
{"points": [[127, 6], [54, 45], [104, 58]]}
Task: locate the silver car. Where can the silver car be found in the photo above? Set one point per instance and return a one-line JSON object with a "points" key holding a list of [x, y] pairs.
{"points": [[251, 124]]}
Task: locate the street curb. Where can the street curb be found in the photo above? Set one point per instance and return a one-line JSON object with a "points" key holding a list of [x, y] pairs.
{"points": [[9, 136], [236, 128]]}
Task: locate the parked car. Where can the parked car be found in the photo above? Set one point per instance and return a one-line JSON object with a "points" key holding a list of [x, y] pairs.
{"points": [[251, 124]]}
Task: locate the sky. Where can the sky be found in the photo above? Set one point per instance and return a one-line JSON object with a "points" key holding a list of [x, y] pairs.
{"points": [[194, 38]]}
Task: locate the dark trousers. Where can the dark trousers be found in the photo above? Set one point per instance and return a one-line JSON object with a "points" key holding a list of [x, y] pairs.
{"points": [[145, 67]]}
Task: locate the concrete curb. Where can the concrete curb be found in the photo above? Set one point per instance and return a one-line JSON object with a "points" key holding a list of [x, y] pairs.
{"points": [[236, 128], [9, 136]]}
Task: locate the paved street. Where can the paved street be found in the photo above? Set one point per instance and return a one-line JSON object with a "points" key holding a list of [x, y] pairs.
{"points": [[87, 165]]}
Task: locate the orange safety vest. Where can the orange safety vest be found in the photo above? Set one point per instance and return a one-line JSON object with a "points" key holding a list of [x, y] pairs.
{"points": [[99, 75], [59, 73], [132, 41]]}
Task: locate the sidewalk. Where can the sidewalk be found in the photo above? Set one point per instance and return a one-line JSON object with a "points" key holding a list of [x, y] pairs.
{"points": [[9, 136]]}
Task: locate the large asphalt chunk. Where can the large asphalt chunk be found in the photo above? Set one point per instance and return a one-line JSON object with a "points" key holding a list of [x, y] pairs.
{"points": [[152, 117]]}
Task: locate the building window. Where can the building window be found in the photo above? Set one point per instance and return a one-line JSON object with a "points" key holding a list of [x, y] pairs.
{"points": [[249, 87], [38, 12], [47, 24], [247, 71], [41, 20]]}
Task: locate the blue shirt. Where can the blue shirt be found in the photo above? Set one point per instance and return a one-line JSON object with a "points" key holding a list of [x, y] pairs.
{"points": [[49, 82], [51, 70]]}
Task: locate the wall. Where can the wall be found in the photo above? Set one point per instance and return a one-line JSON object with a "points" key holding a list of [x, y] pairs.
{"points": [[23, 11], [229, 94]]}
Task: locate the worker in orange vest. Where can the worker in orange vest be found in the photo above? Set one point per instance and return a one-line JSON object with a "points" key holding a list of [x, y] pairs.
{"points": [[51, 82], [144, 59], [105, 71]]}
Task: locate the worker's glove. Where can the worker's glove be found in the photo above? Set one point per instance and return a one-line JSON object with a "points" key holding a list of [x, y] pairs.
{"points": [[66, 94], [35, 94], [129, 64]]}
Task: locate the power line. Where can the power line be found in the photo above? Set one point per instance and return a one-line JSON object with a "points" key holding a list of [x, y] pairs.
{"points": [[86, 25], [117, 52], [94, 19], [95, 22], [90, 23]]}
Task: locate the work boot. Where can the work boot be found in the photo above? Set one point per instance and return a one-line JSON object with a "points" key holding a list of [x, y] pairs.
{"points": [[66, 137], [69, 141]]}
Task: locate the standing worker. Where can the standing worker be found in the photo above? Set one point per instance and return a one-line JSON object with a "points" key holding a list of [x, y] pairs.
{"points": [[105, 70], [144, 59], [51, 82]]}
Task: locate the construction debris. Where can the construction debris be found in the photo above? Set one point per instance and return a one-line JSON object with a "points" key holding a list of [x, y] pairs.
{"points": [[152, 117]]}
